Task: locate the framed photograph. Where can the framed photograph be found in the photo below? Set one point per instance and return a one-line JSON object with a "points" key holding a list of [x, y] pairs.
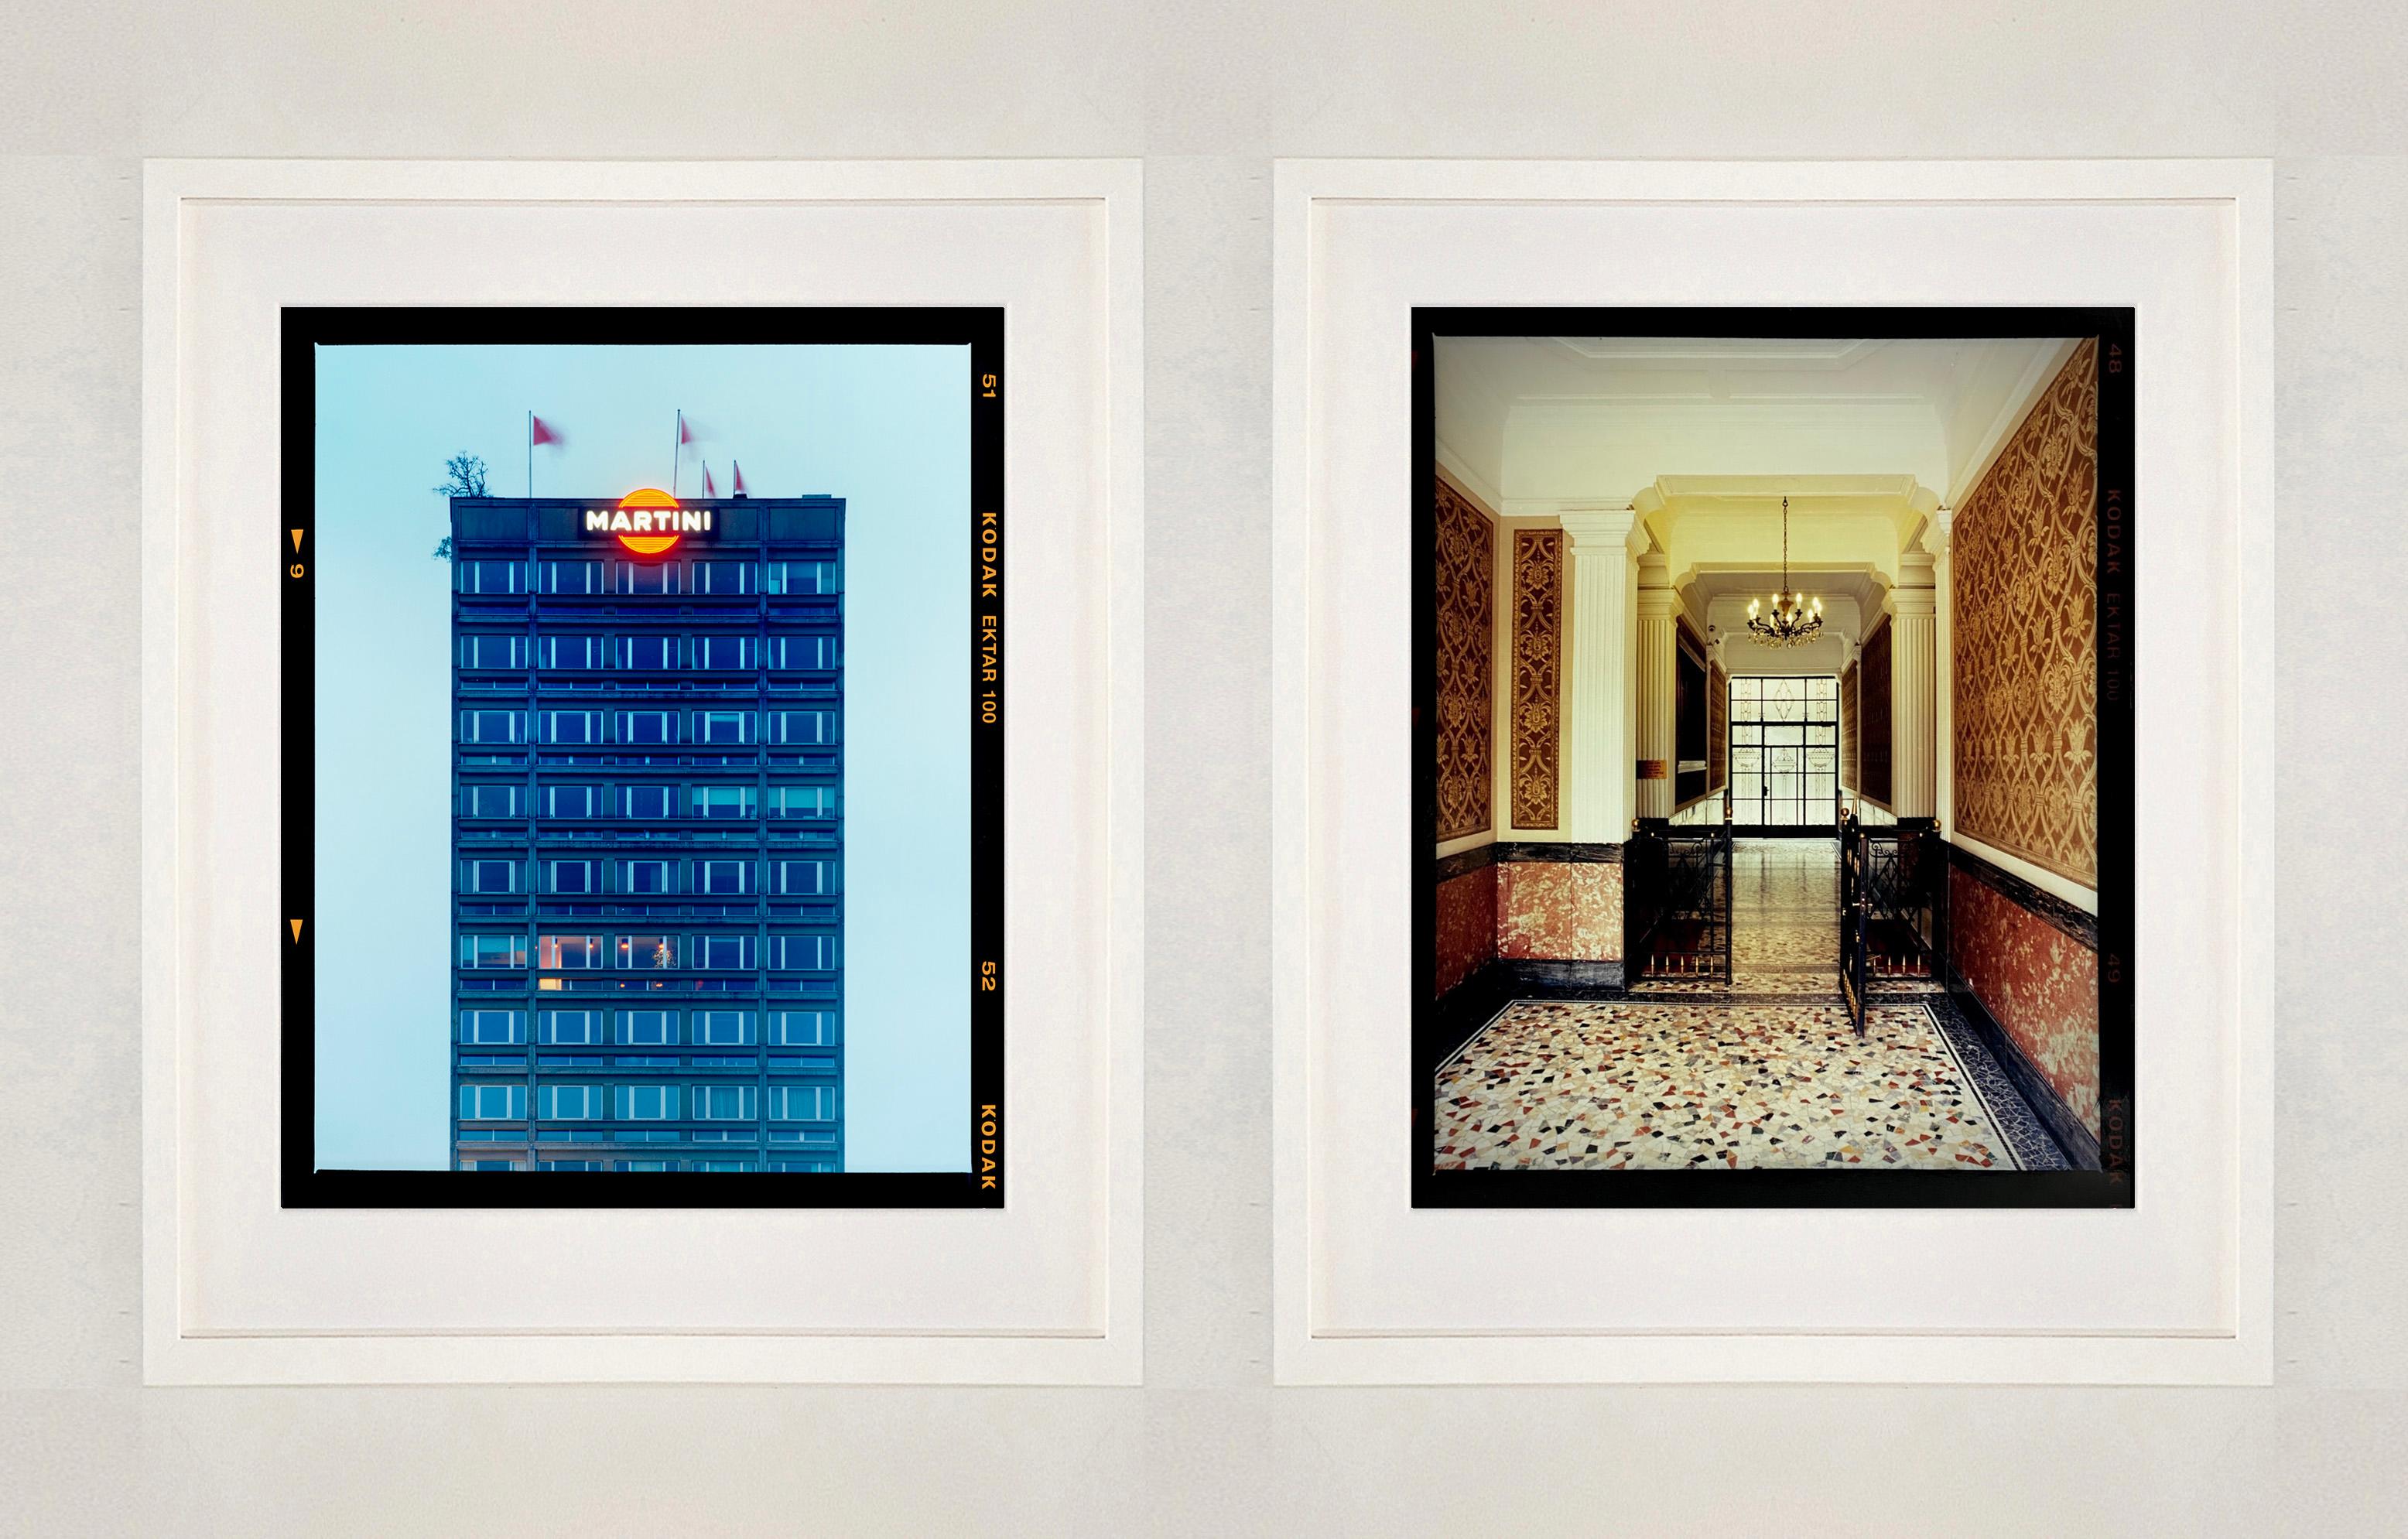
{"points": [[705, 931], [1722, 937]]}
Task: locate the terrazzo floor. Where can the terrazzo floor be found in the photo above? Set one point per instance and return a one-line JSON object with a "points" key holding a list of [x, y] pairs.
{"points": [[1761, 1072]]}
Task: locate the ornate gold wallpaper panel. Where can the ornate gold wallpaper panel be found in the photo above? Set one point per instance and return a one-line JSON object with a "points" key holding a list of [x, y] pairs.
{"points": [[1848, 726], [2025, 622], [1872, 716], [1537, 676], [1717, 725], [1466, 638]]}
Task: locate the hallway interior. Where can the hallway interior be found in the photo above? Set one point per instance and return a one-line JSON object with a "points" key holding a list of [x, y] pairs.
{"points": [[1762, 1071]]}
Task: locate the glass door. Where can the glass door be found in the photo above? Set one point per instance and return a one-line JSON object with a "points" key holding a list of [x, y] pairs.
{"points": [[1784, 752]]}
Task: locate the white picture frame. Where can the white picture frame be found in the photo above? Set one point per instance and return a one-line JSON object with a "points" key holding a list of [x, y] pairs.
{"points": [[1370, 1290], [1046, 1290]]}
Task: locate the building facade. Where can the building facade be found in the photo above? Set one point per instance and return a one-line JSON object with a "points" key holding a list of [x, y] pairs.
{"points": [[648, 769]]}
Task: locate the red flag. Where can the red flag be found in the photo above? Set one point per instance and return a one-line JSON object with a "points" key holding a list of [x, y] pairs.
{"points": [[540, 431], [685, 429], [740, 476], [710, 488]]}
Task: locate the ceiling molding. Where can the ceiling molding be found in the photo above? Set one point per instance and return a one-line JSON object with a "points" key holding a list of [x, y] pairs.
{"points": [[2037, 377], [1469, 483]]}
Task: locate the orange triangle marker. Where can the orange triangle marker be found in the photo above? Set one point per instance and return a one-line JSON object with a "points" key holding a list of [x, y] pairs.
{"points": [[296, 541], [296, 930]]}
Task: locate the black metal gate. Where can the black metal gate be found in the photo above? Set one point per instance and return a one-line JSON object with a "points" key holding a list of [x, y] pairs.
{"points": [[1854, 850], [1680, 889]]}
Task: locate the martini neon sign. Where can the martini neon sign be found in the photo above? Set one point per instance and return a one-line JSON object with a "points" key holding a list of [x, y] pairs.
{"points": [[648, 521]]}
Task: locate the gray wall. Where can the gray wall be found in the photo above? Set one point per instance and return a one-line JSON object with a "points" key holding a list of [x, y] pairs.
{"points": [[1207, 94]]}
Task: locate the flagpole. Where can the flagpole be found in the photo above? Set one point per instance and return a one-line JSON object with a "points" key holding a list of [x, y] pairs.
{"points": [[676, 450], [530, 449]]}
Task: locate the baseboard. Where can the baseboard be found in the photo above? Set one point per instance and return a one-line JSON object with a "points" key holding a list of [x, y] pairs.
{"points": [[2080, 1145], [1472, 1004]]}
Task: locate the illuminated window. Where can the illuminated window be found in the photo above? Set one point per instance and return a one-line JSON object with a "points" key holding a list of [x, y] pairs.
{"points": [[723, 1029], [569, 1027], [725, 1103], [644, 876], [642, 953], [493, 950], [806, 877], [493, 727], [648, 652], [491, 1028], [802, 1103], [568, 953], [647, 1028], [802, 1028], [493, 1103], [645, 1103], [647, 727], [723, 577]]}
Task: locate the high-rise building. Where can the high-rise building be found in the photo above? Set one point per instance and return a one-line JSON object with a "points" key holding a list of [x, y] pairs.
{"points": [[648, 768]]}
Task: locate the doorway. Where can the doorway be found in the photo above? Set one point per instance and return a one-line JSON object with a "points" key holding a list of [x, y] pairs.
{"points": [[1785, 755]]}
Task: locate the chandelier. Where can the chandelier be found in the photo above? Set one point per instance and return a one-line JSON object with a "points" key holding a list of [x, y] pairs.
{"points": [[1794, 619]]}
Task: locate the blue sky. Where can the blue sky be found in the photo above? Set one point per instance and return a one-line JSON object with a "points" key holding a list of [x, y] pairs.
{"points": [[885, 429]]}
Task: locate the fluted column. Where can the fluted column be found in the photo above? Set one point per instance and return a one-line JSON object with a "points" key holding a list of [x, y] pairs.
{"points": [[1597, 747], [1943, 672], [1913, 740], [1655, 686]]}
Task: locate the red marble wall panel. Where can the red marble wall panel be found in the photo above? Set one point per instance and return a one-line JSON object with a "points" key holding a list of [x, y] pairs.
{"points": [[2038, 983], [1559, 911], [1467, 925]]}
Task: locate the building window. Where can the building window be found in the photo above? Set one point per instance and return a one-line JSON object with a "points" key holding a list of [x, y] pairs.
{"points": [[648, 652], [569, 576], [802, 651], [647, 727], [493, 950], [568, 726], [493, 651], [491, 1028], [724, 876], [647, 1028], [724, 951], [568, 953], [802, 953], [493, 1103], [646, 1103], [641, 1165], [802, 1028], [725, 1103], [569, 1027], [723, 652], [573, 1165], [815, 1166], [802, 727], [493, 876], [489, 800], [568, 1102], [723, 801], [639, 953], [639, 577], [493, 727], [649, 801], [723, 577], [644, 876], [491, 577], [570, 876], [802, 878], [578, 652], [568, 800], [802, 1103], [724, 726], [1784, 750], [725, 1165], [798, 577], [723, 1029], [802, 801]]}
